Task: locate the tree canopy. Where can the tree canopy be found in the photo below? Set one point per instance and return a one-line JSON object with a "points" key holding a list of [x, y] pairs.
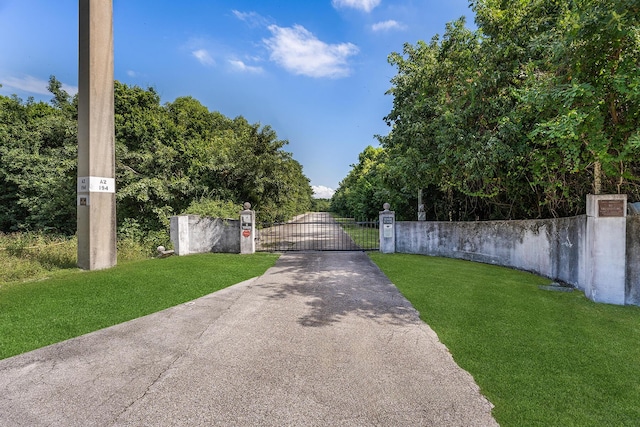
{"points": [[169, 159], [520, 118]]}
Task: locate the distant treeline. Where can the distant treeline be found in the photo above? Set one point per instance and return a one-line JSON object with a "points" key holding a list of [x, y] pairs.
{"points": [[171, 158], [520, 118]]}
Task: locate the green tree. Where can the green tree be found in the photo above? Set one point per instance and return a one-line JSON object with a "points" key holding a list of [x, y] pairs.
{"points": [[365, 189], [518, 118], [169, 158], [37, 166]]}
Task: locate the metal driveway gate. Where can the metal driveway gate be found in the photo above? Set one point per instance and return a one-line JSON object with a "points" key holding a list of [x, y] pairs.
{"points": [[318, 231]]}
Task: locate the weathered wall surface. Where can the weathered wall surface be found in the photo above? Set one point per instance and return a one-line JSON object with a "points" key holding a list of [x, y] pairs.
{"points": [[548, 247], [192, 234], [633, 260], [554, 248]]}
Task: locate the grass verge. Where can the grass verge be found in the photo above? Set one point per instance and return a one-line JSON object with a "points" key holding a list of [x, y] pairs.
{"points": [[72, 303], [364, 233], [542, 358]]}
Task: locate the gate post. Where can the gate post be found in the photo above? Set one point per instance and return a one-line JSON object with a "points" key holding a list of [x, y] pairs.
{"points": [[605, 263], [179, 232], [247, 230], [387, 230]]}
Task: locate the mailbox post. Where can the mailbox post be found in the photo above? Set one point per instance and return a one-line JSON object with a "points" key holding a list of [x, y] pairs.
{"points": [[247, 230], [387, 230]]}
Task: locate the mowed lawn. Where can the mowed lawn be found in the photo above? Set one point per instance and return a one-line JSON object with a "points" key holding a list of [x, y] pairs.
{"points": [[543, 358], [35, 314]]}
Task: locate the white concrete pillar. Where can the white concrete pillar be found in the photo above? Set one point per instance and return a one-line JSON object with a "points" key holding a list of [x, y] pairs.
{"points": [[387, 230], [605, 251], [247, 230], [96, 137], [179, 232]]}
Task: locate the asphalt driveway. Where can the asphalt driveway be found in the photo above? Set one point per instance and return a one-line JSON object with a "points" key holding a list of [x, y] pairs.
{"points": [[321, 339]]}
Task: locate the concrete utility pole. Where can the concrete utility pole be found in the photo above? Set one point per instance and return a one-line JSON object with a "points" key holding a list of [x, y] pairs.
{"points": [[96, 137]]}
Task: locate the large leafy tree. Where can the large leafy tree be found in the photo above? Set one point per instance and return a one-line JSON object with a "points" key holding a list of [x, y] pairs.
{"points": [[168, 157], [38, 163], [368, 186], [522, 117], [589, 96]]}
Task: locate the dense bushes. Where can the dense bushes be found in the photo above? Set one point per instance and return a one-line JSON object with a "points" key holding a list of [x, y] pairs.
{"points": [[520, 118], [170, 159]]}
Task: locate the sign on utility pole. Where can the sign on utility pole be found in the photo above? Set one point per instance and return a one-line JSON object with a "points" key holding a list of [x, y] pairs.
{"points": [[96, 137]]}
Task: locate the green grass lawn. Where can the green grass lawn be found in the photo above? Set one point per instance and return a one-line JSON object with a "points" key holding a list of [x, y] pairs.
{"points": [[543, 358], [72, 303], [364, 233]]}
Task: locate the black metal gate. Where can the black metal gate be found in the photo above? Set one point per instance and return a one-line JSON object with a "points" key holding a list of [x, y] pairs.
{"points": [[318, 231]]}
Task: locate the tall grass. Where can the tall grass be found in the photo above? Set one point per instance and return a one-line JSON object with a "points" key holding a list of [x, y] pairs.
{"points": [[30, 256], [33, 256]]}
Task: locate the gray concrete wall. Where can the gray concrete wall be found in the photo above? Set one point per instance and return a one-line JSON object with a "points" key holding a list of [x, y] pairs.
{"points": [[633, 261], [551, 248], [193, 234], [554, 248]]}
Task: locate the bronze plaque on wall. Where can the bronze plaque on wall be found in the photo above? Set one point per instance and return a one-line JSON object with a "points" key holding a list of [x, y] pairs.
{"points": [[611, 208]]}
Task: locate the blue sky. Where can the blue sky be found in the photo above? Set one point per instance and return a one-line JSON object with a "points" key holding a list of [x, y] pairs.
{"points": [[316, 71]]}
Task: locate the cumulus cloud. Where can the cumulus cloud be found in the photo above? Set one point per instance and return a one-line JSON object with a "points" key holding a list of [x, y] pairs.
{"points": [[300, 52], [364, 5], [387, 25], [322, 192], [34, 85], [238, 65], [203, 56]]}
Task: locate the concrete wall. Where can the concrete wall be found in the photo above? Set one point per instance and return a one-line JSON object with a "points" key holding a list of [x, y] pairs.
{"points": [[191, 234], [548, 247], [633, 261], [554, 248]]}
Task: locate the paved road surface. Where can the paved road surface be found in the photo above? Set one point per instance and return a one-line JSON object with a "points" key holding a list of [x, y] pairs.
{"points": [[316, 231], [322, 339]]}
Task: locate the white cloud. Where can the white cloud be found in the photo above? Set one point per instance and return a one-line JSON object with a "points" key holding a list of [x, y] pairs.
{"points": [[241, 66], [365, 5], [322, 192], [300, 52], [203, 56], [132, 73], [252, 19], [34, 85], [387, 25]]}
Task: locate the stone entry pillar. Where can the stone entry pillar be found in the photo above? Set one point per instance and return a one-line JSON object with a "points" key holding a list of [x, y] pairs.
{"points": [[387, 230], [605, 260], [247, 230], [96, 207]]}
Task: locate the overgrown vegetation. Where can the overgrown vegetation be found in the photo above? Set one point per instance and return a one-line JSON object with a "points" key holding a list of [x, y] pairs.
{"points": [[34, 256], [170, 159], [320, 205], [542, 358], [29, 256], [213, 208], [520, 118], [73, 303]]}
